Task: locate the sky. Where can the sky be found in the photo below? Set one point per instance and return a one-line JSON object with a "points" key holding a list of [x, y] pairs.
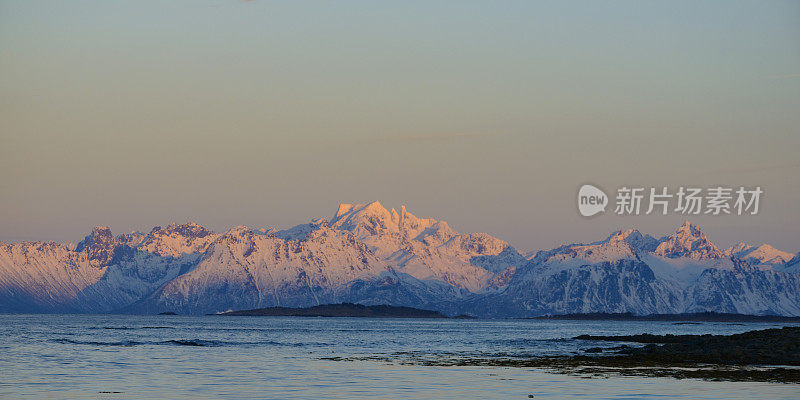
{"points": [[489, 115]]}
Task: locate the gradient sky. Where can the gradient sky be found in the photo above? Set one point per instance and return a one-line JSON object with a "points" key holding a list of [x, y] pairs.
{"points": [[489, 115]]}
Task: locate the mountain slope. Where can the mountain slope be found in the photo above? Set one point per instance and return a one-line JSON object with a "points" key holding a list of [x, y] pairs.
{"points": [[307, 265], [755, 255], [428, 249], [688, 241], [370, 255], [630, 272], [243, 269], [37, 277]]}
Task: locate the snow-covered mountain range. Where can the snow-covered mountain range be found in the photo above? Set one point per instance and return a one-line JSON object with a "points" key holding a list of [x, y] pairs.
{"points": [[371, 255]]}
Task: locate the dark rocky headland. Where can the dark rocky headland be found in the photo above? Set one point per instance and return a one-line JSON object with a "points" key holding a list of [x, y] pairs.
{"points": [[707, 316], [341, 310], [770, 355], [765, 347]]}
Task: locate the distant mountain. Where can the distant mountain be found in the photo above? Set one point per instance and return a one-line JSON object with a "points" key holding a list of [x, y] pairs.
{"points": [[763, 254], [688, 242], [428, 249], [370, 255], [684, 272]]}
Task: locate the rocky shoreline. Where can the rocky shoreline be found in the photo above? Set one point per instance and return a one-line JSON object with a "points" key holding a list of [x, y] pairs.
{"points": [[765, 347], [770, 355], [707, 316]]}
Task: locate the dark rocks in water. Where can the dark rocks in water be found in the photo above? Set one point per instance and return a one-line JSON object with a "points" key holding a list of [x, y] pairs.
{"points": [[341, 310], [758, 356], [690, 317], [764, 347], [167, 313], [594, 350], [641, 338]]}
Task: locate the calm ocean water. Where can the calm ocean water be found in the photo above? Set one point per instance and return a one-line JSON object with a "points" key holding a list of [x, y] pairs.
{"points": [[177, 357]]}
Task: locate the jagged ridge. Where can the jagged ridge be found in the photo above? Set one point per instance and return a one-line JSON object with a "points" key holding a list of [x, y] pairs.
{"points": [[368, 254]]}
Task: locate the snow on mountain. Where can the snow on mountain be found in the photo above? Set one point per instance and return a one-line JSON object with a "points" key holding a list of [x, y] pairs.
{"points": [[308, 265], [99, 246], [37, 276], [763, 254], [745, 289], [688, 241], [792, 266], [102, 273], [634, 238], [604, 276], [177, 240], [681, 272], [131, 239], [427, 249], [370, 255], [141, 265], [188, 268], [630, 272], [622, 285], [620, 245]]}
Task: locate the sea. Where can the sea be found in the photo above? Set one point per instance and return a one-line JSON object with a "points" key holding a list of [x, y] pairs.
{"points": [[226, 357]]}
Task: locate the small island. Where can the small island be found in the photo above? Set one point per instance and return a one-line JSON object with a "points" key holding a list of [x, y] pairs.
{"points": [[341, 310]]}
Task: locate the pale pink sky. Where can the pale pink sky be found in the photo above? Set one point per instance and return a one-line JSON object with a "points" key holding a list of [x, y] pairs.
{"points": [[490, 116]]}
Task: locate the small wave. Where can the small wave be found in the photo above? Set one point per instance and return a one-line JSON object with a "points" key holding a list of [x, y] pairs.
{"points": [[125, 328], [528, 342], [179, 342], [129, 343], [125, 343], [195, 342]]}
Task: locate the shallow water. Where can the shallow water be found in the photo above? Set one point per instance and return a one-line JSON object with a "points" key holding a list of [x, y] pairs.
{"points": [[177, 357]]}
